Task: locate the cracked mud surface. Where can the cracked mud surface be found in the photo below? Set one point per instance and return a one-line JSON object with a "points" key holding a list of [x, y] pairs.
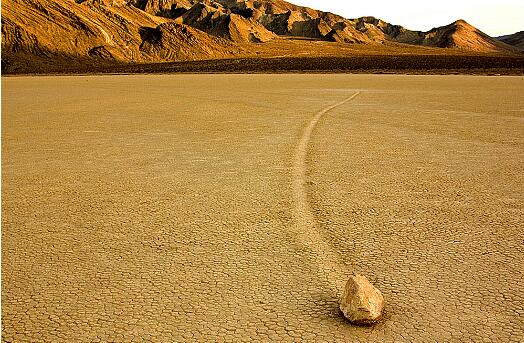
{"points": [[160, 208]]}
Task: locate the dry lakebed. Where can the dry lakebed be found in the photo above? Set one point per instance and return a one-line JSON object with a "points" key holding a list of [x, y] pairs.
{"points": [[231, 208]]}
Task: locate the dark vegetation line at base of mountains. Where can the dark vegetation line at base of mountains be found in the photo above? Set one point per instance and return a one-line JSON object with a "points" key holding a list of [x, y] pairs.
{"points": [[479, 65]]}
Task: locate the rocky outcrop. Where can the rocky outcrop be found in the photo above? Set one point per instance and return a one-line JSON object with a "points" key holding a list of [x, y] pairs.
{"points": [[165, 8], [175, 42], [346, 33], [361, 303], [224, 23]]}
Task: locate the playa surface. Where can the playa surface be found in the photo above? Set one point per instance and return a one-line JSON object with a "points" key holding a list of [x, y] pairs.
{"points": [[233, 207]]}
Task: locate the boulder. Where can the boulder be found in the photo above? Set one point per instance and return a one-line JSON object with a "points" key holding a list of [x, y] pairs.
{"points": [[361, 303]]}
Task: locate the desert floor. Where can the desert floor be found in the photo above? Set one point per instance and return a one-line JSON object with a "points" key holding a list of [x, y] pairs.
{"points": [[233, 207]]}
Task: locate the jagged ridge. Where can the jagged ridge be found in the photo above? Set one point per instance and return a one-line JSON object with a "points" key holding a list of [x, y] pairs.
{"points": [[102, 29], [262, 19]]}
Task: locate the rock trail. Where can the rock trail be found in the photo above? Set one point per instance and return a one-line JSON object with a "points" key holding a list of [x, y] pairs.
{"points": [[304, 227]]}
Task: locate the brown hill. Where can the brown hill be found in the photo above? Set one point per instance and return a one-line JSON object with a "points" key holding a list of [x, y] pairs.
{"points": [[516, 40], [460, 35], [221, 22], [102, 29]]}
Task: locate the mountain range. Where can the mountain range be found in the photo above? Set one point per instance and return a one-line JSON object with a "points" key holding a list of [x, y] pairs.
{"points": [[184, 30]]}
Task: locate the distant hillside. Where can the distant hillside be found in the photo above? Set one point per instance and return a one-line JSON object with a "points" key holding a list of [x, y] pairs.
{"points": [[459, 34], [516, 40], [186, 30], [260, 20]]}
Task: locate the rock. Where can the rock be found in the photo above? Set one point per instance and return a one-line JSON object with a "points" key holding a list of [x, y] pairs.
{"points": [[361, 302]]}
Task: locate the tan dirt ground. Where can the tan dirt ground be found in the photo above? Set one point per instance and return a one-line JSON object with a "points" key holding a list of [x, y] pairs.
{"points": [[163, 207]]}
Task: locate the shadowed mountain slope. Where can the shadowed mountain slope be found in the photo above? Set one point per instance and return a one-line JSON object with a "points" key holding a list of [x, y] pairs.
{"points": [[516, 40]]}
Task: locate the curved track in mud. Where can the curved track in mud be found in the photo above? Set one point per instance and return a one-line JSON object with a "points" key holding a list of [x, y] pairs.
{"points": [[307, 234]]}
